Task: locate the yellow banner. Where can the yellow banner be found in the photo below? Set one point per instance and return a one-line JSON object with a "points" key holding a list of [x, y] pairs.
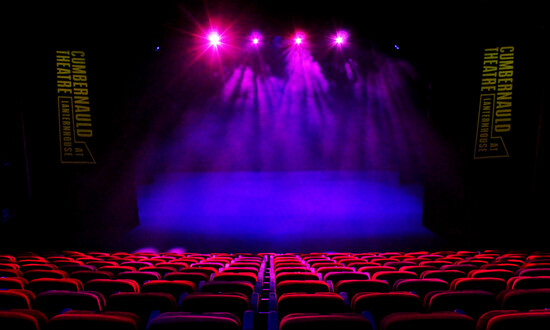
{"points": [[76, 132], [494, 122]]}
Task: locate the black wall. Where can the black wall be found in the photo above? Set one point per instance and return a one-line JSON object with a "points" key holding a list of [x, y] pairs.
{"points": [[50, 202], [496, 201]]}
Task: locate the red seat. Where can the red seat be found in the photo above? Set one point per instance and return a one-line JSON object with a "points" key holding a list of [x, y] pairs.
{"points": [[398, 264], [11, 273], [8, 265], [246, 264], [109, 286], [13, 283], [305, 286], [61, 264], [447, 275], [158, 269], [323, 264], [86, 275], [188, 261], [420, 286], [325, 270], [102, 263], [495, 273], [506, 266], [54, 302], [286, 261], [40, 317], [44, 273], [535, 265], [93, 321], [70, 269], [195, 277], [371, 270], [201, 302], [533, 272], [16, 298], [378, 305], [30, 258], [484, 319], [392, 276], [490, 284], [382, 260], [529, 282], [353, 287], [295, 276], [336, 277], [465, 268], [472, 302], [176, 266], [216, 286], [311, 321], [243, 269], [417, 269], [524, 299], [45, 284], [38, 266], [535, 320], [321, 302], [175, 288], [115, 270], [247, 277], [143, 304], [13, 320], [218, 266], [137, 265], [182, 320], [139, 276], [435, 263], [427, 321], [7, 258], [361, 263], [296, 269]]}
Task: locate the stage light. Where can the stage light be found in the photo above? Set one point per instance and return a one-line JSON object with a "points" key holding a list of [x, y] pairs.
{"points": [[299, 38], [340, 38], [214, 39], [255, 38]]}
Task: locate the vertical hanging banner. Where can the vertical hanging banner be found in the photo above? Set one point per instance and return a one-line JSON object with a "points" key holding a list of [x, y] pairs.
{"points": [[76, 133], [494, 120]]}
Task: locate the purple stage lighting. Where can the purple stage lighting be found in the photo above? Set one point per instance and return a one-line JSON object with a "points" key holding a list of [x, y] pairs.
{"points": [[214, 38]]}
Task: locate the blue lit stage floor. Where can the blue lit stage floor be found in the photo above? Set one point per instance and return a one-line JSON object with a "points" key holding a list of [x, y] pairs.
{"points": [[281, 212]]}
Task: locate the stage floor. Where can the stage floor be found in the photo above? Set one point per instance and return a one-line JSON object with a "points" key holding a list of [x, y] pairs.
{"points": [[280, 212]]}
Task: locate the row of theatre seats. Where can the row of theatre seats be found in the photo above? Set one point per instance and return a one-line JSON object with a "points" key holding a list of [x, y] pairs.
{"points": [[489, 290]]}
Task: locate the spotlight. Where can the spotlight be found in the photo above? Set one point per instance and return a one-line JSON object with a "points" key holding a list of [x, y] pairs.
{"points": [[340, 38], [214, 39], [255, 38], [299, 38]]}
